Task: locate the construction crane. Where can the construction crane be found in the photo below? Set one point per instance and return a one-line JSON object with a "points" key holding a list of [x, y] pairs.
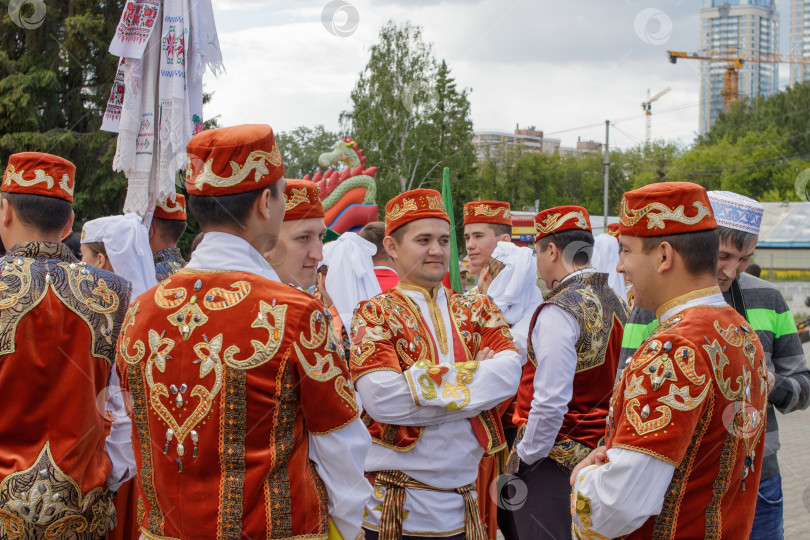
{"points": [[647, 106], [735, 62]]}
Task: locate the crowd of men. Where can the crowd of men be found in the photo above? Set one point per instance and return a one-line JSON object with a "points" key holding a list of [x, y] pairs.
{"points": [[234, 396]]}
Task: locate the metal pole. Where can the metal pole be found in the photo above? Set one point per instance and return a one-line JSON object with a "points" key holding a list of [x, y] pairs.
{"points": [[607, 174]]}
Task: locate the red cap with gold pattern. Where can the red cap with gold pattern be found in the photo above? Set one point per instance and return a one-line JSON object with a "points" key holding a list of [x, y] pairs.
{"points": [[413, 205], [303, 200], [233, 160], [37, 173], [494, 212], [169, 209], [561, 218], [613, 230], [666, 208]]}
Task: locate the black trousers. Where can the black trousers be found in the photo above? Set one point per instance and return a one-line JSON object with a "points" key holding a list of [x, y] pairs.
{"points": [[546, 513]]}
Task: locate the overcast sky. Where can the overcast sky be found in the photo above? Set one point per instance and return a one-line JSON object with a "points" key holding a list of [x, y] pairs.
{"points": [[563, 66]]}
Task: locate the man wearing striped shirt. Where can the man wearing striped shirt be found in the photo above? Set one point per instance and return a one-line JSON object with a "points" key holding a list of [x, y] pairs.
{"points": [[738, 220]]}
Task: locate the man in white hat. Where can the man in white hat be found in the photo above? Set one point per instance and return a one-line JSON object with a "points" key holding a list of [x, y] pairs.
{"points": [[738, 219]]}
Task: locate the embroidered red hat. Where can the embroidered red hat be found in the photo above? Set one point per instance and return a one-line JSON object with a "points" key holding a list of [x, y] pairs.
{"points": [[666, 208], [303, 200], [413, 205], [494, 212], [169, 209], [613, 230], [37, 173], [233, 160], [561, 218]]}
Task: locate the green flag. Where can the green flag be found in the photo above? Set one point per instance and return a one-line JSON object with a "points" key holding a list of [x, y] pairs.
{"points": [[447, 198]]}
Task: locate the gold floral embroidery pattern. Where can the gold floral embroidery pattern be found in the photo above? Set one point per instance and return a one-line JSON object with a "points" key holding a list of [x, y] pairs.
{"points": [[634, 388], [228, 299], [439, 377], [325, 370], [719, 362], [581, 510], [657, 213], [318, 329], [685, 401], [553, 222], [256, 164], [167, 298], [101, 300], [644, 427], [398, 211], [140, 350], [300, 196], [44, 502], [40, 176], [568, 453], [170, 206], [262, 352], [435, 203], [140, 418], [487, 210]]}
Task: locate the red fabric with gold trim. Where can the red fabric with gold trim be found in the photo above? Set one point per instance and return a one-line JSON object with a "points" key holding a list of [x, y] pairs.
{"points": [[37, 173], [174, 210], [413, 205], [303, 200], [613, 230], [265, 375], [495, 212], [561, 218], [683, 399], [388, 335], [233, 160], [666, 208]]}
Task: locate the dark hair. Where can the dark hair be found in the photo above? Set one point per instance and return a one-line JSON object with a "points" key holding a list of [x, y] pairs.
{"points": [[754, 269], [48, 214], [96, 248], [698, 249], [227, 210], [74, 242], [399, 232], [581, 240], [374, 232], [170, 229], [739, 239], [500, 228]]}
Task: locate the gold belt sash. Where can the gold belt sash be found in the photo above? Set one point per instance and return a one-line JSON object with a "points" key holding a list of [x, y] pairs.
{"points": [[395, 483]]}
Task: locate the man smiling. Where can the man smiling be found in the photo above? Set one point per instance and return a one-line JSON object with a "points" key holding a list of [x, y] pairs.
{"points": [[300, 243]]}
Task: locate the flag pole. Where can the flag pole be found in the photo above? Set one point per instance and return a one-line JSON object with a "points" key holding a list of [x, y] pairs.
{"points": [[447, 198]]}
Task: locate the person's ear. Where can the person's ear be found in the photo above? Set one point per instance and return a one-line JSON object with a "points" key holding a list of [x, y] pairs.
{"points": [[68, 228], [6, 213], [151, 231], [665, 257], [263, 203], [391, 247], [553, 252]]}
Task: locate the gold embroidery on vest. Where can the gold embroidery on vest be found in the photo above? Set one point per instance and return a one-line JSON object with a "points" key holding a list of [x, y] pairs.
{"points": [[140, 350], [642, 427], [241, 289], [434, 310], [262, 352], [45, 502], [719, 362], [685, 401]]}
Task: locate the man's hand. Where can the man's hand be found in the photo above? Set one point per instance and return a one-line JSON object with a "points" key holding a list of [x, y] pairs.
{"points": [[597, 457], [484, 354], [771, 381], [484, 281]]}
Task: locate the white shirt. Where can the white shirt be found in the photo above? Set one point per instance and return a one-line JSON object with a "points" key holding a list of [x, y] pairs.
{"points": [[447, 454], [338, 456], [620, 503], [118, 444]]}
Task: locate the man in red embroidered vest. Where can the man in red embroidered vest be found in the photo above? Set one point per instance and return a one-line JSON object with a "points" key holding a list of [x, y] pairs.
{"points": [[168, 225], [563, 397], [510, 281], [686, 425], [429, 366], [245, 419], [59, 319], [300, 243]]}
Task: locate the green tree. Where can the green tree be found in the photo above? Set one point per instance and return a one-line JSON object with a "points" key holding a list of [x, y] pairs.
{"points": [[55, 78], [409, 116], [301, 147]]}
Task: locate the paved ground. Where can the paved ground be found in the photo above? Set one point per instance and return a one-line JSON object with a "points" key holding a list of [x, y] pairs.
{"points": [[794, 463]]}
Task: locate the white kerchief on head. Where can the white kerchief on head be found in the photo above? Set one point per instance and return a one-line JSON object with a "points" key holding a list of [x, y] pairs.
{"points": [[126, 242], [605, 259], [350, 278], [514, 290], [736, 211]]}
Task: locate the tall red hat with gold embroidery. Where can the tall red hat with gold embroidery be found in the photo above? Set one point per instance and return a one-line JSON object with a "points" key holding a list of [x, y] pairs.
{"points": [[233, 160], [493, 212], [174, 210], [613, 230], [413, 205], [302, 200], [666, 208], [561, 218], [37, 173]]}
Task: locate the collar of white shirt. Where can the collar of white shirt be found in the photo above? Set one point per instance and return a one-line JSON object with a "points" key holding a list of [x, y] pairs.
{"points": [[226, 252]]}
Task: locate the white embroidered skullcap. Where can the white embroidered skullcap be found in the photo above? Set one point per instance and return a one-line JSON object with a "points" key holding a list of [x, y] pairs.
{"points": [[736, 211]]}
